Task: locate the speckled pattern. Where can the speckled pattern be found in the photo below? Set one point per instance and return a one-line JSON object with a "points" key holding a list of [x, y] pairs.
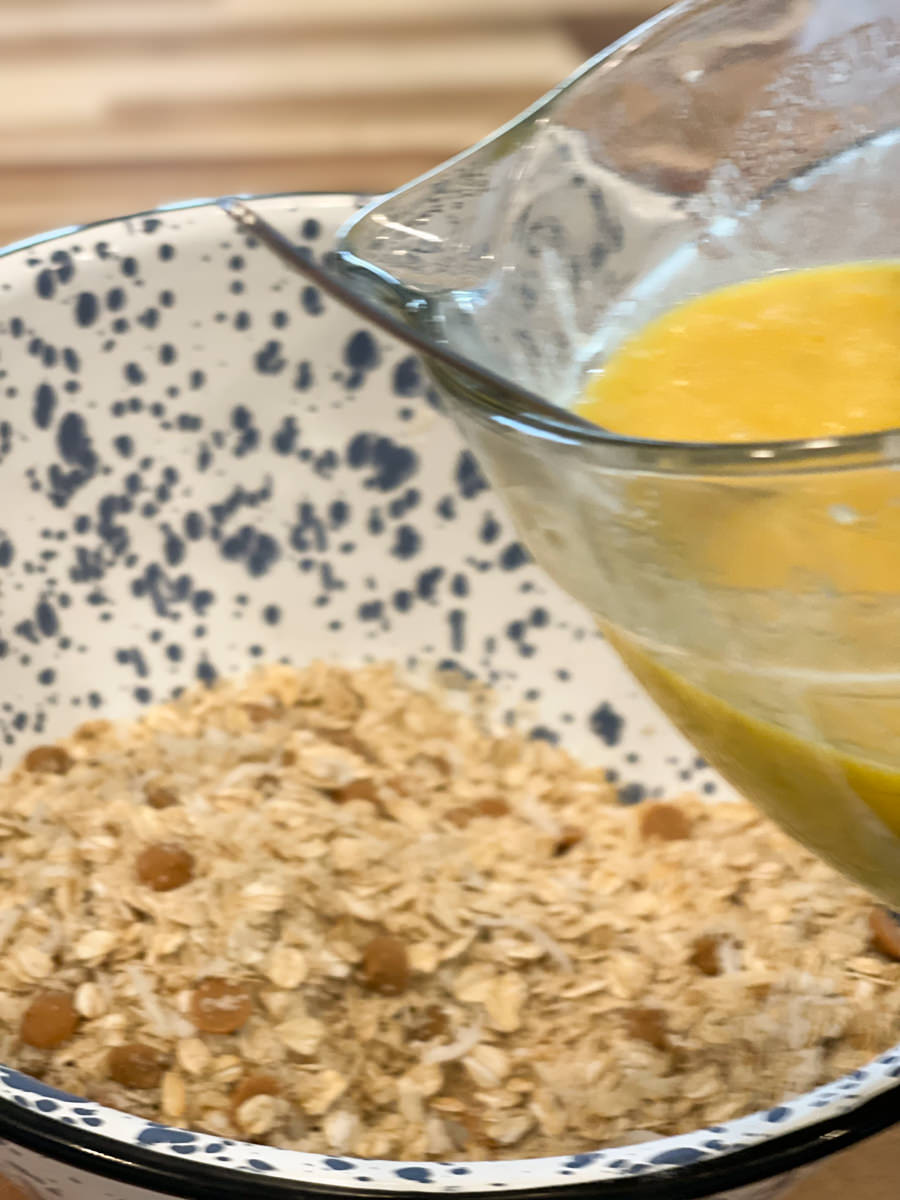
{"points": [[206, 464]]}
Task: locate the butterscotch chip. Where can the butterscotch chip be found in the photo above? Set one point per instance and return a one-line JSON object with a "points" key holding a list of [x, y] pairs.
{"points": [[664, 821], [50, 1019], [648, 1025], [135, 1065], [549, 1003], [438, 761], [491, 808], [160, 797], [705, 955], [358, 789], [220, 1006], [257, 1083], [89, 730], [260, 713], [48, 760], [884, 926], [350, 741], [385, 966], [570, 836], [431, 1023], [165, 866]]}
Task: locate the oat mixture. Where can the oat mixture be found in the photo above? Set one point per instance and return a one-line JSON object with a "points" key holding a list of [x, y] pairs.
{"points": [[323, 910]]}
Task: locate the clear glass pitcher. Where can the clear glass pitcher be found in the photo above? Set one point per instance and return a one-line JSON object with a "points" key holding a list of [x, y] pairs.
{"points": [[753, 589]]}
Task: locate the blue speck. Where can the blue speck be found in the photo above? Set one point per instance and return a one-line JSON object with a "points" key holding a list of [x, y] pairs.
{"points": [[456, 619], [47, 620], [45, 283], [25, 1083], [403, 600], [408, 377], [427, 583], [514, 556], [631, 793], [490, 529], [414, 1174], [159, 1135], [469, 478], [86, 308], [361, 353], [540, 733], [44, 406], [311, 300], [581, 1160], [392, 464], [678, 1157], [607, 724], [205, 672], [407, 542], [269, 360]]}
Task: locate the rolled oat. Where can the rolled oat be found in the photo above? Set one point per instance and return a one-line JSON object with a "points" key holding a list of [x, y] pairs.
{"points": [[384, 931]]}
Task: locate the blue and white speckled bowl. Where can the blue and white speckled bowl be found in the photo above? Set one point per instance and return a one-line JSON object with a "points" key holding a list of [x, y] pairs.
{"points": [[205, 464]]}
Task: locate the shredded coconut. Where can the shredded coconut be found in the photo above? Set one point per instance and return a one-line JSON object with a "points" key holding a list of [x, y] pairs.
{"points": [[325, 910]]}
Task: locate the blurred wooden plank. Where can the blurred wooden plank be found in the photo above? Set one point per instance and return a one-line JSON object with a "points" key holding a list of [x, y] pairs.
{"points": [[593, 30], [239, 138], [58, 86], [49, 20], [36, 198], [110, 106], [868, 1171]]}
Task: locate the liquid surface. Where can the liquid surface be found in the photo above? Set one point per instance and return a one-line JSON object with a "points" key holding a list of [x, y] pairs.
{"points": [[808, 354], [796, 355]]}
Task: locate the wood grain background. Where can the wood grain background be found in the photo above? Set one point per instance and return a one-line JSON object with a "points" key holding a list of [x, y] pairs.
{"points": [[112, 106]]}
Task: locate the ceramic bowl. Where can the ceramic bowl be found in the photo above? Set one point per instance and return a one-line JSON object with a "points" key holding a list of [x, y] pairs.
{"points": [[205, 464]]}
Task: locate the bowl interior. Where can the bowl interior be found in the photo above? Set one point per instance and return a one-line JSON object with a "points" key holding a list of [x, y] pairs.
{"points": [[206, 465]]}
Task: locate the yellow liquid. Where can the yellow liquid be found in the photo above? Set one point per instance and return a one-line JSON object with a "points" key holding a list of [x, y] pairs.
{"points": [[800, 355], [809, 354]]}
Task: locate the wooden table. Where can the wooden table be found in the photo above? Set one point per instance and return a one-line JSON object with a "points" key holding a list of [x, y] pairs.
{"points": [[112, 106]]}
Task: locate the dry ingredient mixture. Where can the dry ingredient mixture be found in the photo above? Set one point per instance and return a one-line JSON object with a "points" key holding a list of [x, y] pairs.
{"points": [[324, 910]]}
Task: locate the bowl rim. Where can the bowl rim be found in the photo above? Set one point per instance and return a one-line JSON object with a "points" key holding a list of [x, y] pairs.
{"points": [[719, 1170], [507, 403]]}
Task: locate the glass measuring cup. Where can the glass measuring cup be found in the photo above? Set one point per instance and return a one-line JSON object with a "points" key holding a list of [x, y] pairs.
{"points": [[753, 589]]}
